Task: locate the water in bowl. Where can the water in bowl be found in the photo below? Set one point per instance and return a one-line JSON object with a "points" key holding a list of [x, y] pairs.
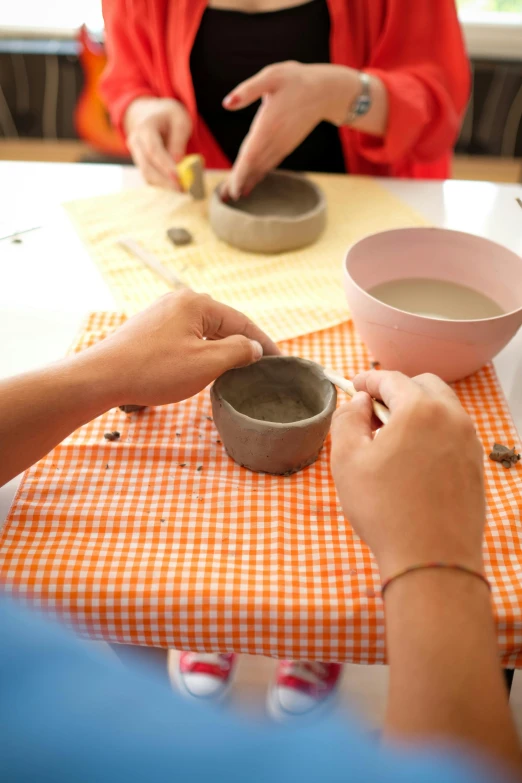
{"points": [[436, 299]]}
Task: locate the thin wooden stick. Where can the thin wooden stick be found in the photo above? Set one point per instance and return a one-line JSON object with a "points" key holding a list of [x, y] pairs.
{"points": [[18, 233], [150, 260], [380, 410], [519, 202]]}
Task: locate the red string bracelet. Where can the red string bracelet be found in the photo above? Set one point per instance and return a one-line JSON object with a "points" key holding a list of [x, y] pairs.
{"points": [[424, 566]]}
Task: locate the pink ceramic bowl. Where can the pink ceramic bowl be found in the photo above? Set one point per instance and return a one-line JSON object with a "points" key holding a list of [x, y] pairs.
{"points": [[415, 344]]}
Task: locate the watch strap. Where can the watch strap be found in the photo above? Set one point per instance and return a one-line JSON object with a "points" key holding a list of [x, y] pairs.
{"points": [[363, 103]]}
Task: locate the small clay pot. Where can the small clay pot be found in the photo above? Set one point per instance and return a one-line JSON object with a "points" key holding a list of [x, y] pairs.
{"points": [[283, 212], [274, 416]]}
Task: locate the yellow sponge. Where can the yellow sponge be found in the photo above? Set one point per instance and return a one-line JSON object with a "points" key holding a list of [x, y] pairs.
{"points": [[190, 173]]}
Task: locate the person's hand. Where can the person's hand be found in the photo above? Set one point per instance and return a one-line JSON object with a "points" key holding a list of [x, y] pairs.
{"points": [[160, 355], [158, 130], [415, 492], [295, 98]]}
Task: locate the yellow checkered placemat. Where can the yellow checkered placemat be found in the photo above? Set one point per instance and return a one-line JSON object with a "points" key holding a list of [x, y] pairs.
{"points": [[161, 539], [287, 295]]}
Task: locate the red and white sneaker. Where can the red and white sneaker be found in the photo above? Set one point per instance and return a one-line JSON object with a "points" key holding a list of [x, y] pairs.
{"points": [[206, 676], [302, 688]]}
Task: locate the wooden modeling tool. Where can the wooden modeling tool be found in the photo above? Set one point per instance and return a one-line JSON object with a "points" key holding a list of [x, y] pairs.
{"points": [[150, 260], [380, 410]]}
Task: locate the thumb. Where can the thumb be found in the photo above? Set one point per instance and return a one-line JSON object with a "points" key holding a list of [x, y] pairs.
{"points": [[351, 427], [231, 352], [251, 90]]}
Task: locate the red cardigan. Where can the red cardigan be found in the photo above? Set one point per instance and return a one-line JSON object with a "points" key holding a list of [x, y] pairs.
{"points": [[416, 48]]}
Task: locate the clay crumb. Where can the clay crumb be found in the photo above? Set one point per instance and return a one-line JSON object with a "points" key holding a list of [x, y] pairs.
{"points": [[178, 434], [16, 241], [131, 408], [107, 466], [503, 454], [208, 418], [114, 435], [179, 236], [199, 467], [182, 465], [218, 441], [375, 365], [163, 520]]}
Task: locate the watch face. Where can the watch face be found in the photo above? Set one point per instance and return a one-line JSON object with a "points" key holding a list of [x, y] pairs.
{"points": [[363, 105]]}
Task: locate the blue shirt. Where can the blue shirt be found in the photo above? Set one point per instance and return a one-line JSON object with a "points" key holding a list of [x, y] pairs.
{"points": [[68, 714]]}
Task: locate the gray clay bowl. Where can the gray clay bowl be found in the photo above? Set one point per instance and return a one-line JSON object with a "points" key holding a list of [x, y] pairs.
{"points": [[283, 212], [274, 416]]}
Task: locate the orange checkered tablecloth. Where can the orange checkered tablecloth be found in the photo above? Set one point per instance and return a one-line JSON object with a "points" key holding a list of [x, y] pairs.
{"points": [[129, 542]]}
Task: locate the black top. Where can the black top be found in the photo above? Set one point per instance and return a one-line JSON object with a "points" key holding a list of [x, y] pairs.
{"points": [[232, 46]]}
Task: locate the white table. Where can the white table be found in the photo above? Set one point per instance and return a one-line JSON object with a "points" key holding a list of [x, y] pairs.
{"points": [[48, 283]]}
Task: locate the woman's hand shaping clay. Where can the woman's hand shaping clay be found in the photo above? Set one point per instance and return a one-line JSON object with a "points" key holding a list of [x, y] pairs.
{"points": [[295, 98], [176, 347], [158, 130], [415, 493]]}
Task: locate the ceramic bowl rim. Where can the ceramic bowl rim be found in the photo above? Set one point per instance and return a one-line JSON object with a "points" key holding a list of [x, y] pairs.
{"points": [[327, 410], [283, 219], [428, 318]]}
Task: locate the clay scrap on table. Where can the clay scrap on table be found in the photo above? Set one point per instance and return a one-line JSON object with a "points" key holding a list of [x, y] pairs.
{"points": [[131, 408], [507, 457], [114, 435], [179, 236], [191, 176]]}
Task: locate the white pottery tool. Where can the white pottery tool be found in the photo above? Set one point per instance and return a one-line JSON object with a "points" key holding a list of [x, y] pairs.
{"points": [[380, 410], [150, 260]]}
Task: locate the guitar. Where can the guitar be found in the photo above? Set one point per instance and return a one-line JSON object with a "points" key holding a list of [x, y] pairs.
{"points": [[91, 118]]}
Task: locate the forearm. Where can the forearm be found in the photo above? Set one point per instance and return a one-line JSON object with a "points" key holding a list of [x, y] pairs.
{"points": [[342, 86], [40, 408], [445, 676]]}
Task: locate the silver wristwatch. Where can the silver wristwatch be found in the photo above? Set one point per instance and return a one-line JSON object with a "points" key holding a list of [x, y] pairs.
{"points": [[362, 104]]}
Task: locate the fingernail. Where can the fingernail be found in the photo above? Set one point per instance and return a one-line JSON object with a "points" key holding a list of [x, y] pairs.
{"points": [[230, 100], [360, 378], [258, 350]]}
